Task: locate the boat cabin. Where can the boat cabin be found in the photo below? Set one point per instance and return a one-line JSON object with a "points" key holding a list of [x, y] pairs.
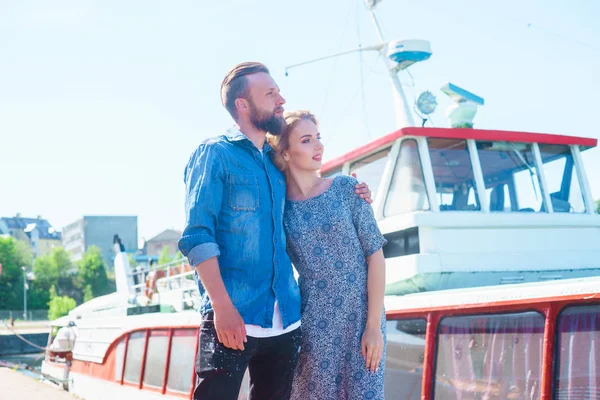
{"points": [[465, 207]]}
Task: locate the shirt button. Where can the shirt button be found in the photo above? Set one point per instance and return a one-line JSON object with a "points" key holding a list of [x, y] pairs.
{"points": [[275, 240]]}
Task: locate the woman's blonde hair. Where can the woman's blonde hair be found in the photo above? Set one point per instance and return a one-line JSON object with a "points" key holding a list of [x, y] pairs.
{"points": [[281, 143]]}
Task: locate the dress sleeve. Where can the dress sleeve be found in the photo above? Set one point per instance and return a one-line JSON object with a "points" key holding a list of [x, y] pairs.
{"points": [[369, 236]]}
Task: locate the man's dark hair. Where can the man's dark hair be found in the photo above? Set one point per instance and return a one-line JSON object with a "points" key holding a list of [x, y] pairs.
{"points": [[235, 84]]}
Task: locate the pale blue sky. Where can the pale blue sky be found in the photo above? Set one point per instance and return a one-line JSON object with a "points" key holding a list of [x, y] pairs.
{"points": [[101, 102]]}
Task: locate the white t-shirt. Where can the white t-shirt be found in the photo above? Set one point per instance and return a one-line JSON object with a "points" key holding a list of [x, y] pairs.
{"points": [[258, 331]]}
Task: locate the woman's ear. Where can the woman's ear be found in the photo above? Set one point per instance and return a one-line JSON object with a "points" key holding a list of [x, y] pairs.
{"points": [[286, 157]]}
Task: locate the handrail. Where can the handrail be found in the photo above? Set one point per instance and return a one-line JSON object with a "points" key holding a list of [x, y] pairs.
{"points": [[159, 267]]}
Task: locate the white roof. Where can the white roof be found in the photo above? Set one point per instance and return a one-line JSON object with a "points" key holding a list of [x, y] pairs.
{"points": [[588, 287]]}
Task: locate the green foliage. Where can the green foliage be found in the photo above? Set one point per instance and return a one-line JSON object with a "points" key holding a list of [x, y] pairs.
{"points": [[59, 306], [54, 269], [598, 206], [87, 293], [92, 271], [13, 255], [56, 276]]}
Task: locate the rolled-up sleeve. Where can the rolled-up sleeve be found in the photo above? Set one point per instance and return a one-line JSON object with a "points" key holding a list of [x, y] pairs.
{"points": [[204, 178]]}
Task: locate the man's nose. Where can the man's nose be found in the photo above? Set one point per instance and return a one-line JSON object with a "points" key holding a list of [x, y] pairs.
{"points": [[280, 100]]}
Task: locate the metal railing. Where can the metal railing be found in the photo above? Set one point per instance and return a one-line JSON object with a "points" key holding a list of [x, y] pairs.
{"points": [[32, 315]]}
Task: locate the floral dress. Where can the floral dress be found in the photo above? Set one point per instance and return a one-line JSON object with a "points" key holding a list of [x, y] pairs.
{"points": [[329, 239]]}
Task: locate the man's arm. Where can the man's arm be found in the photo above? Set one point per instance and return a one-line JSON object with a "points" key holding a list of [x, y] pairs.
{"points": [[229, 325], [204, 178]]}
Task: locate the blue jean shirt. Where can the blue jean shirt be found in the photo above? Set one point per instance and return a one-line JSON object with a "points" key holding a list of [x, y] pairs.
{"points": [[234, 210]]}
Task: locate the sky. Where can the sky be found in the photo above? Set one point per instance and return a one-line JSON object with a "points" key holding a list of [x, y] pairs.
{"points": [[102, 102]]}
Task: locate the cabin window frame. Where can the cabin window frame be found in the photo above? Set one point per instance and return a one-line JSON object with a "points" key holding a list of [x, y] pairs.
{"points": [[539, 172], [586, 191], [577, 176], [475, 169], [395, 319], [142, 336], [146, 333], [556, 370], [488, 315], [426, 171], [386, 148]]}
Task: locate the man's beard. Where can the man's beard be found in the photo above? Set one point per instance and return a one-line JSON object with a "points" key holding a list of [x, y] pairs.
{"points": [[267, 121]]}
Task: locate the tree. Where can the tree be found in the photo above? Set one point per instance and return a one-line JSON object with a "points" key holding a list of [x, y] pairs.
{"points": [[598, 206], [92, 271], [13, 255], [54, 269], [87, 293], [59, 306]]}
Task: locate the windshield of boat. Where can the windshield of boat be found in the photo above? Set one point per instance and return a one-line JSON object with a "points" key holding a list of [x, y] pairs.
{"points": [[512, 180], [510, 177], [370, 169], [562, 179], [453, 175]]}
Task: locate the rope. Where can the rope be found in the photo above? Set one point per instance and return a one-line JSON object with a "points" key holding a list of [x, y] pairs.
{"points": [[25, 340]]}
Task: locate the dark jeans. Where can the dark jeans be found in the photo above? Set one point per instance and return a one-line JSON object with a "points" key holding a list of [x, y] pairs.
{"points": [[271, 362]]}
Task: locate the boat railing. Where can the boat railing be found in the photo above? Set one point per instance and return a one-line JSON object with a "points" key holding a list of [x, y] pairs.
{"points": [[167, 276], [167, 267], [179, 281]]}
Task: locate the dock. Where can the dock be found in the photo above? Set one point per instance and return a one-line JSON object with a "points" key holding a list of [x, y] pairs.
{"points": [[15, 385]]}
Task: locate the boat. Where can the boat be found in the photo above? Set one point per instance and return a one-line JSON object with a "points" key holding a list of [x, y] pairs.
{"points": [[493, 275]]}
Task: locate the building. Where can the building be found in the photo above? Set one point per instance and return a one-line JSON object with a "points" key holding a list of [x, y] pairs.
{"points": [[37, 232], [99, 231], [167, 238]]}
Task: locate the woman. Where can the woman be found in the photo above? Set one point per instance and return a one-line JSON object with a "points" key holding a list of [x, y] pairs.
{"points": [[335, 245]]}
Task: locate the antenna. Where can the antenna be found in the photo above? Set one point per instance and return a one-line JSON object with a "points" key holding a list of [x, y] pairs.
{"points": [[399, 55]]}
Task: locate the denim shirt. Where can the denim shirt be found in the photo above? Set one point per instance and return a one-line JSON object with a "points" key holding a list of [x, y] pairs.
{"points": [[235, 197]]}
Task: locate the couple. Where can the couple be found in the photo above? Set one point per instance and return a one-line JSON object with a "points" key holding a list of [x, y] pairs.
{"points": [[249, 203]]}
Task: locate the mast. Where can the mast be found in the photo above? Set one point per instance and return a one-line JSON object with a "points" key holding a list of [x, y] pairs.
{"points": [[397, 56], [404, 116]]}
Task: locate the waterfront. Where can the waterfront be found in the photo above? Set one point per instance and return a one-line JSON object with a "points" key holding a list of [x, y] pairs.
{"points": [[14, 385], [31, 360]]}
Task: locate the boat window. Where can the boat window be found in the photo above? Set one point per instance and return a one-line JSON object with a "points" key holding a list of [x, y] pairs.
{"points": [[402, 243], [561, 178], [405, 354], [119, 354], [156, 358], [135, 352], [453, 174], [407, 190], [578, 372], [370, 169], [510, 176], [490, 356], [181, 362]]}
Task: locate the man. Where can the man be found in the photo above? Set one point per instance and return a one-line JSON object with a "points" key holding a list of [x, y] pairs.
{"points": [[235, 240]]}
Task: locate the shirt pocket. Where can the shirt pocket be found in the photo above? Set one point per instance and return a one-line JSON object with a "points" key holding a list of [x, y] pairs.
{"points": [[243, 192]]}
